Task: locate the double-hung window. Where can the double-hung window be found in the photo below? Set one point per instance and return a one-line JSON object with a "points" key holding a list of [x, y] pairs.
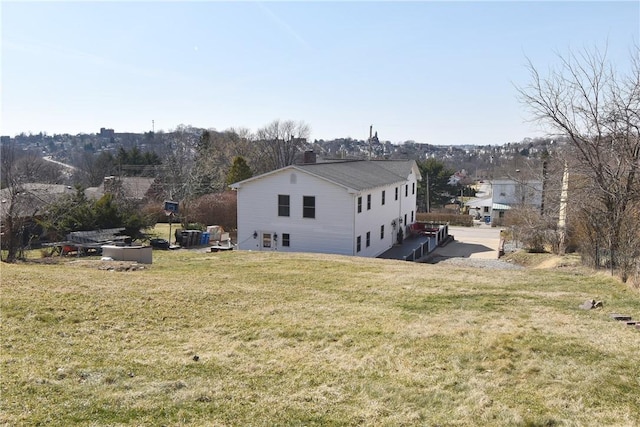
{"points": [[383, 194], [308, 206], [368, 202], [359, 204], [283, 205], [358, 243], [368, 238], [286, 239]]}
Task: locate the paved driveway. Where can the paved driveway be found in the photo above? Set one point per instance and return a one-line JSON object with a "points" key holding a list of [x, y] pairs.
{"points": [[470, 242]]}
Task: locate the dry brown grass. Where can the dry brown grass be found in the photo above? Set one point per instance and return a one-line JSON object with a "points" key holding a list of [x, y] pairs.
{"points": [[304, 339]]}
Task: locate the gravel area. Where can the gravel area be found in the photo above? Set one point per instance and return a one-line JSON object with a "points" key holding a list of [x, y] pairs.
{"points": [[495, 264]]}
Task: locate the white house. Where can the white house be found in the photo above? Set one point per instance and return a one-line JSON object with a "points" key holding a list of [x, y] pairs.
{"points": [[343, 207], [498, 196]]}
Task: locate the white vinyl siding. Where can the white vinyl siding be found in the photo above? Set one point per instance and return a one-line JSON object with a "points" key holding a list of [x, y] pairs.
{"points": [[330, 232], [336, 223]]}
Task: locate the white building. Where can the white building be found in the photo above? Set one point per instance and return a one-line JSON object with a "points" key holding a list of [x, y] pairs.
{"points": [[345, 207], [498, 196]]}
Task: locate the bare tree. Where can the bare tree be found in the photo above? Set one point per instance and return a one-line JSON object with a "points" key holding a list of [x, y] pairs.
{"points": [[243, 144], [179, 161], [280, 143], [18, 205], [242, 141], [596, 107], [92, 169]]}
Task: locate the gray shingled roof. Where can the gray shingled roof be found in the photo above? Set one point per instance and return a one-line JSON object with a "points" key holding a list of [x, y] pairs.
{"points": [[399, 167], [133, 188], [362, 175], [33, 197]]}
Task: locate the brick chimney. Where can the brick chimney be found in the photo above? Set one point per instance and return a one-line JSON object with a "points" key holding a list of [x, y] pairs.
{"points": [[309, 157]]}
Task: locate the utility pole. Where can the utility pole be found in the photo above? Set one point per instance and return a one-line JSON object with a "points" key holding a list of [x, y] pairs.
{"points": [[428, 203], [545, 156], [562, 218]]}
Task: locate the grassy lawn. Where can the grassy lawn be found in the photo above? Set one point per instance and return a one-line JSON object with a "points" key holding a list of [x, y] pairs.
{"points": [[303, 339]]}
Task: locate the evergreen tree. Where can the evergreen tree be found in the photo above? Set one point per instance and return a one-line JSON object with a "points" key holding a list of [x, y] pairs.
{"points": [[434, 185], [106, 213], [239, 170]]}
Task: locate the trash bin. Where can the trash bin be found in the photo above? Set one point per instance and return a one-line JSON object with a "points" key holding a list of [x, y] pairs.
{"points": [[487, 219], [184, 238], [204, 238]]}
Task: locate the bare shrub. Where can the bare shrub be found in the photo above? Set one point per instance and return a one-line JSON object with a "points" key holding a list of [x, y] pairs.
{"points": [[531, 229], [216, 209], [627, 256]]}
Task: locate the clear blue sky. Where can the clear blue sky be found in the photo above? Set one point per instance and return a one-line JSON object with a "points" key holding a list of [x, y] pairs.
{"points": [[433, 72]]}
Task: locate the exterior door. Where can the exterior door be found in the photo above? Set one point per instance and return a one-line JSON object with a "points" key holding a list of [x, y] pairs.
{"points": [[267, 242]]}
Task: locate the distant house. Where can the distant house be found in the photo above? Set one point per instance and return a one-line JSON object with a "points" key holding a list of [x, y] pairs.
{"points": [[498, 196], [356, 208], [134, 188], [32, 199], [22, 208], [457, 177]]}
